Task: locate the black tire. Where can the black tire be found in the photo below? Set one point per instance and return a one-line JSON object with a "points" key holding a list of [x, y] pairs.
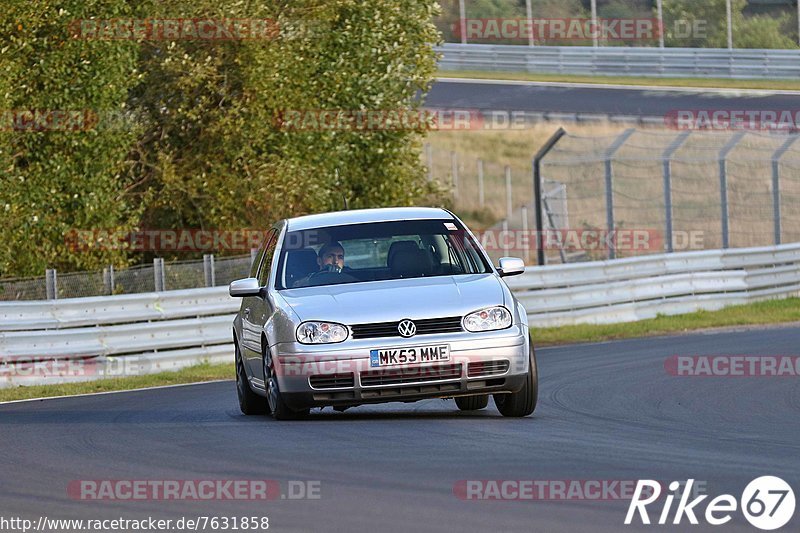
{"points": [[275, 403], [472, 403], [249, 402], [521, 403]]}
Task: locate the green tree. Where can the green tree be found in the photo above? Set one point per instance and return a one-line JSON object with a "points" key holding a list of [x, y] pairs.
{"points": [[54, 181], [762, 31]]}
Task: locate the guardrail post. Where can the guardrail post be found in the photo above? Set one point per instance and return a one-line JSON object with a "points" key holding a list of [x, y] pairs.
{"points": [[537, 191], [723, 186], [51, 283], [776, 186], [509, 198], [429, 160], [481, 193], [208, 270], [612, 253], [109, 283], [454, 170], [158, 274], [667, 159]]}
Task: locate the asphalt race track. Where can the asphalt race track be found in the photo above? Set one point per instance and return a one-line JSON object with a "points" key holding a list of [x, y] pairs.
{"points": [[565, 98], [607, 411]]}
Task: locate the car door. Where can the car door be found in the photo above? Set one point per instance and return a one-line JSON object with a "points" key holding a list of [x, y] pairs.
{"points": [[261, 307], [251, 326]]}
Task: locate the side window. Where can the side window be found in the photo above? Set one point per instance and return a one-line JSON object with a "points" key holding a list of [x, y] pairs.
{"points": [[266, 261], [260, 254]]}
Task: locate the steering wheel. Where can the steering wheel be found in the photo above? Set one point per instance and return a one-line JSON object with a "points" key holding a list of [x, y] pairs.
{"points": [[330, 276]]}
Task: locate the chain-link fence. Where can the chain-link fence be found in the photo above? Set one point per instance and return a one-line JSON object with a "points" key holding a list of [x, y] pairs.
{"points": [[667, 23], [639, 192], [210, 272]]}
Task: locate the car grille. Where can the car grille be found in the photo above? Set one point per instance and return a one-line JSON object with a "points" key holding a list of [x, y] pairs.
{"points": [[428, 326], [331, 381], [398, 376], [487, 368]]}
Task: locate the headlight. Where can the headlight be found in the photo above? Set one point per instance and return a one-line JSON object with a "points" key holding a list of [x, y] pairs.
{"points": [[320, 333], [488, 319]]}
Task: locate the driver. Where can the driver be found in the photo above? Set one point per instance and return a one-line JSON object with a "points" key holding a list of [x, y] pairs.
{"points": [[331, 257]]}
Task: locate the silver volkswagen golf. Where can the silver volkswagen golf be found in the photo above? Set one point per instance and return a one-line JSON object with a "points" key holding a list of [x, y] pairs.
{"points": [[380, 305]]}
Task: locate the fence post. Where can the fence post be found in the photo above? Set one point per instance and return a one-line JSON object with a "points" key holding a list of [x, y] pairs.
{"points": [[481, 193], [429, 158], [158, 274], [660, 10], [454, 170], [509, 197], [108, 279], [723, 185], [729, 14], [529, 14], [51, 283], [612, 253], [526, 246], [462, 21], [667, 160], [537, 190], [504, 237], [208, 270], [776, 185]]}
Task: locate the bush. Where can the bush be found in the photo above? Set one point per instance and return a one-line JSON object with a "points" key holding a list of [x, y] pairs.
{"points": [[198, 145]]}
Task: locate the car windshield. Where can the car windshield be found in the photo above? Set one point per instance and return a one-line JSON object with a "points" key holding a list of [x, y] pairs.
{"points": [[377, 251]]}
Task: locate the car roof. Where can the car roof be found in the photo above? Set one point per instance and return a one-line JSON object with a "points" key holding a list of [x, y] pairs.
{"points": [[364, 216]]}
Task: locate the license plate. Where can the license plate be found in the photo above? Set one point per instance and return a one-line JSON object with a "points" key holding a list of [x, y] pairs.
{"points": [[409, 356]]}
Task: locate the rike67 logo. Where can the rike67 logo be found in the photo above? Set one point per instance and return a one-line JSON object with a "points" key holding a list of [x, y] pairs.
{"points": [[767, 503]]}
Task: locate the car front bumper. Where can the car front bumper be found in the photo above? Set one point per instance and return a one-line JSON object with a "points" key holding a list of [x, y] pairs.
{"points": [[341, 375]]}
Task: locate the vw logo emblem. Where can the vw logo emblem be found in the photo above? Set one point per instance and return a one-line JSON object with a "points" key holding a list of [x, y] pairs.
{"points": [[407, 328]]}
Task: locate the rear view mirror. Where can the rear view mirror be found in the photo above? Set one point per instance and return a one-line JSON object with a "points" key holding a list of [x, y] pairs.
{"points": [[511, 266], [245, 287]]}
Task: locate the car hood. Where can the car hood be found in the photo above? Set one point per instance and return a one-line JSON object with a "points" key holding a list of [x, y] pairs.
{"points": [[387, 301]]}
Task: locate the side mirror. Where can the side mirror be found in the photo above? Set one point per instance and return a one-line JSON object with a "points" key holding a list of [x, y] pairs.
{"points": [[245, 287], [511, 266]]}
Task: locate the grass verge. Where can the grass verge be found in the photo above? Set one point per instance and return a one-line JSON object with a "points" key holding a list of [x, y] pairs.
{"points": [[194, 374], [760, 313], [702, 83], [768, 312]]}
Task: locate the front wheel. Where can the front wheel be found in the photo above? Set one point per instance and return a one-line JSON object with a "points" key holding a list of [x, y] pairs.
{"points": [[521, 403], [250, 403], [278, 408]]}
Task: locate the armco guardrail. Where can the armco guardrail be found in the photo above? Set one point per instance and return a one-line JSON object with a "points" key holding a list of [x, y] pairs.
{"points": [[624, 61], [151, 332]]}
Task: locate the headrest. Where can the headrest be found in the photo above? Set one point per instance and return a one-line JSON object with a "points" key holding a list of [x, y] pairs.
{"points": [[411, 264], [299, 264], [398, 247]]}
